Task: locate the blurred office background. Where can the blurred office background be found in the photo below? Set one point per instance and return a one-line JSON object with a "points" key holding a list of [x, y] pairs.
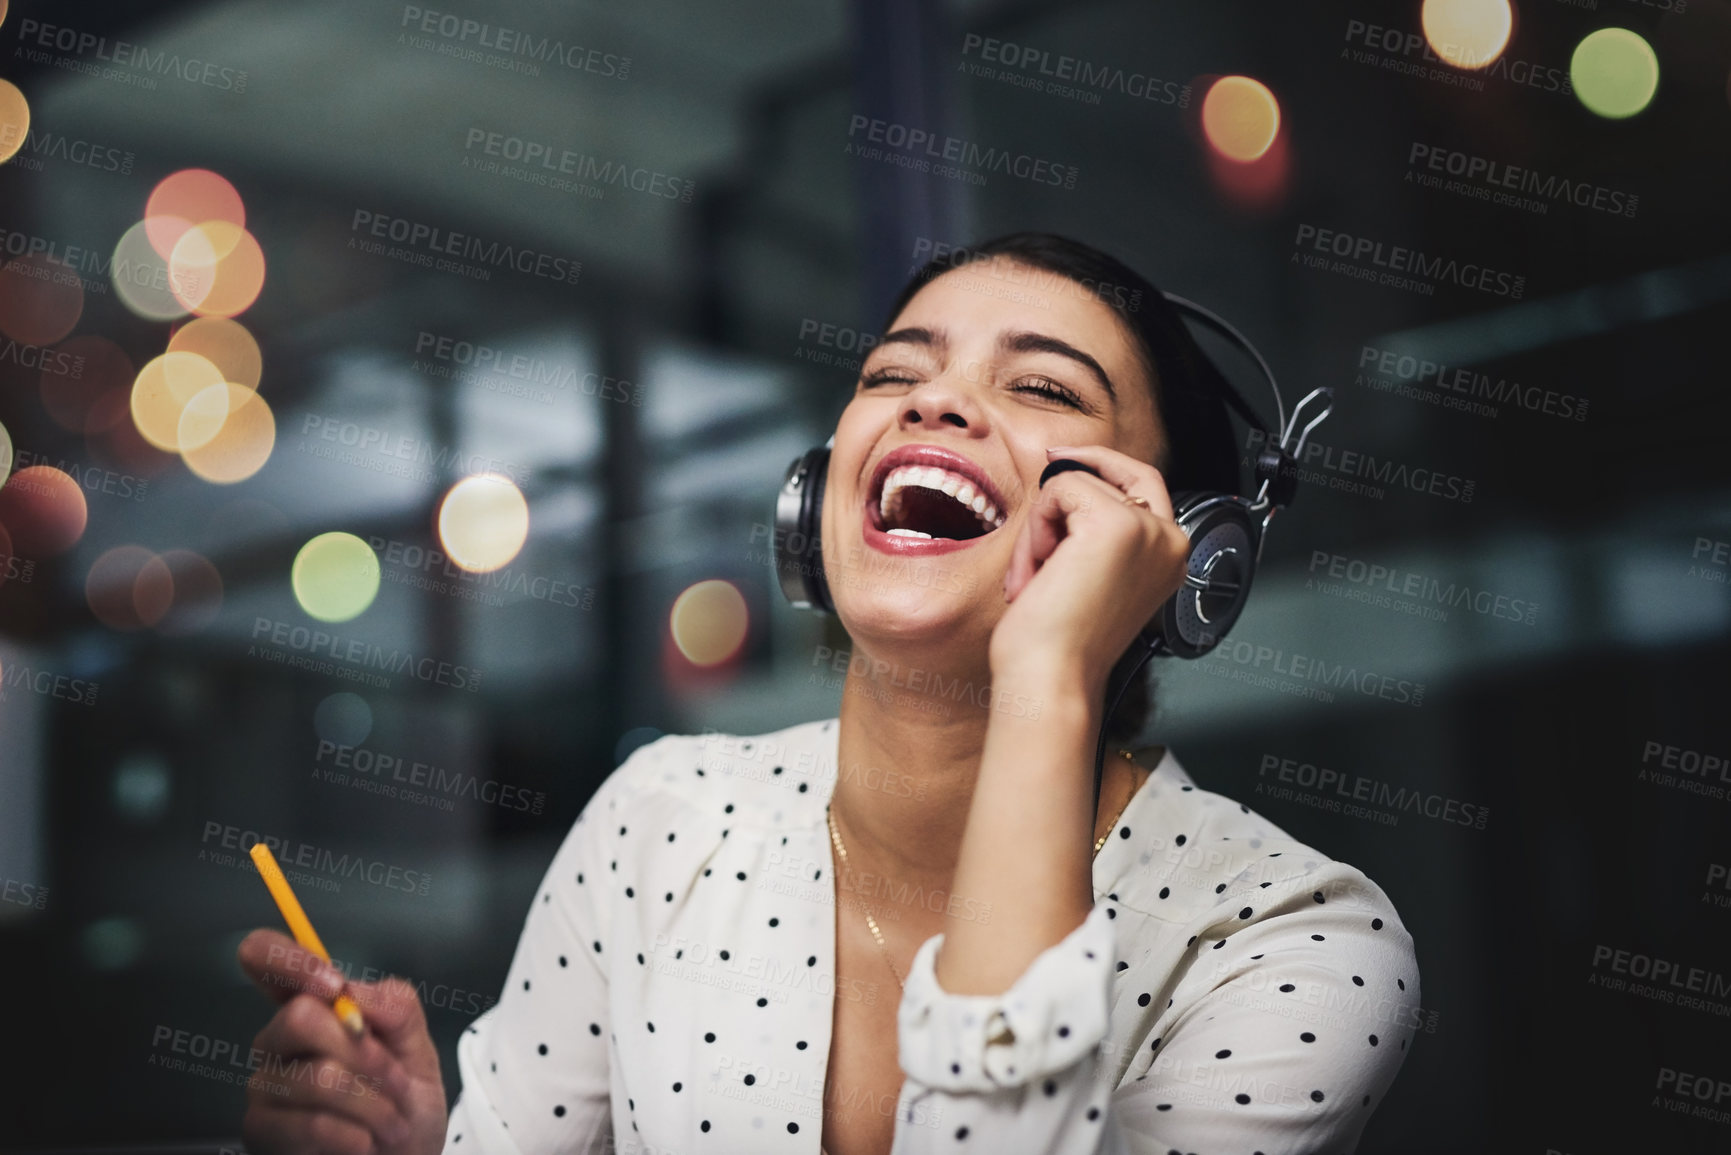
{"points": [[672, 347]]}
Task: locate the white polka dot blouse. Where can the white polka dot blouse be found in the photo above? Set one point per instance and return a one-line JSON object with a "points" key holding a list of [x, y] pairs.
{"points": [[1231, 991]]}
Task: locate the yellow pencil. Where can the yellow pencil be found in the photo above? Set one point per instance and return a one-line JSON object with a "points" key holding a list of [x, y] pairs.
{"points": [[301, 928]]}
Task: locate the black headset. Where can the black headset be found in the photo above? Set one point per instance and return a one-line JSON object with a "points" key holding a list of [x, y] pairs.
{"points": [[1226, 531]]}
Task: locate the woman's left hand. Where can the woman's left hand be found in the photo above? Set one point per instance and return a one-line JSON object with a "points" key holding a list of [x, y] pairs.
{"points": [[1088, 570]]}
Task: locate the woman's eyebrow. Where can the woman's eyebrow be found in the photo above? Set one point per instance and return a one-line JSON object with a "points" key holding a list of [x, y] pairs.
{"points": [[935, 340], [1025, 341]]}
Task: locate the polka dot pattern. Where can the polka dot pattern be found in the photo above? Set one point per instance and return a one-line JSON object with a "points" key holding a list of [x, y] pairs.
{"points": [[621, 1010]]}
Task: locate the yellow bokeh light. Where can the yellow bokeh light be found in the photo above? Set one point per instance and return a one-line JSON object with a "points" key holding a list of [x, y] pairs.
{"points": [[14, 117], [225, 344], [483, 522], [242, 441], [217, 269], [1240, 118], [1468, 33], [708, 622], [142, 279], [162, 391], [202, 417], [335, 577]]}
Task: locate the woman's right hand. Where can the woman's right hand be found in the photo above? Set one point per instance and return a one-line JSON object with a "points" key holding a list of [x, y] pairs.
{"points": [[317, 1090]]}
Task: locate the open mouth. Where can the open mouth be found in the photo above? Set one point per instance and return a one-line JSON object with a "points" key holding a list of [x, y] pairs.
{"points": [[924, 501]]}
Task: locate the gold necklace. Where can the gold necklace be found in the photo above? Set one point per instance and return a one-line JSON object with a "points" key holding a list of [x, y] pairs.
{"points": [[878, 935], [1101, 841], [835, 837]]}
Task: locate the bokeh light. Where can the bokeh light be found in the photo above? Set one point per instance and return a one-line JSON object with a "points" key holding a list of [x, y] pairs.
{"points": [[142, 786], [5, 454], [141, 280], [1468, 33], [224, 343], [343, 719], [14, 116], [96, 398], [335, 576], [216, 269], [1240, 118], [186, 199], [162, 391], [40, 299], [483, 522], [227, 433], [197, 592], [708, 622], [1615, 73], [125, 590], [44, 509]]}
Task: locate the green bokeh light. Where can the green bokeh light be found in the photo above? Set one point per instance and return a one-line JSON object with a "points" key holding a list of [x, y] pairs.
{"points": [[1614, 72], [335, 577]]}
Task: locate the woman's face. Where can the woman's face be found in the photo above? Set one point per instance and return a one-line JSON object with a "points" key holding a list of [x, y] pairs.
{"points": [[975, 385]]}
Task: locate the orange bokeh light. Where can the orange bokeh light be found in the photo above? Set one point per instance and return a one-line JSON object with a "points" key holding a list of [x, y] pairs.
{"points": [[44, 509], [227, 433], [225, 344], [186, 199], [1240, 118], [14, 116], [217, 269], [161, 392]]}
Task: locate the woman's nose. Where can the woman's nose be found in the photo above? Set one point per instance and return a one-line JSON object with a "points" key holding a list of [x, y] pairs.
{"points": [[941, 400]]}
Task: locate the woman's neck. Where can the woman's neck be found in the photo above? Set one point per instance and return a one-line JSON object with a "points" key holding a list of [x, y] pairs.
{"points": [[908, 757]]}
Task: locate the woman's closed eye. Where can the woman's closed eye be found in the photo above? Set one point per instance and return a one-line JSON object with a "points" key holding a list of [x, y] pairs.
{"points": [[1044, 386]]}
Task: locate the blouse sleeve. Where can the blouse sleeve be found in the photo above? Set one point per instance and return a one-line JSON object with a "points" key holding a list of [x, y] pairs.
{"points": [[520, 1095], [1282, 1040]]}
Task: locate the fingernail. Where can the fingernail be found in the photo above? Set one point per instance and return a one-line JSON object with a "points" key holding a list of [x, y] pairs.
{"points": [[1060, 448]]}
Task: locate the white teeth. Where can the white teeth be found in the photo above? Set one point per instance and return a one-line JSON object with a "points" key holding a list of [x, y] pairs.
{"points": [[931, 477]]}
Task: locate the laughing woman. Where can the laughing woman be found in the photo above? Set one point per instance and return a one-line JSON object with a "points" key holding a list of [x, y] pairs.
{"points": [[908, 928]]}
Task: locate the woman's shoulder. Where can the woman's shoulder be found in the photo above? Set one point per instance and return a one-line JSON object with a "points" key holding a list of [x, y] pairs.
{"points": [[1202, 857]]}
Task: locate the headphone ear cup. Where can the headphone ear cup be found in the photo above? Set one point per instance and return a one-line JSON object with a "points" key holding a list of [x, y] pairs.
{"points": [[798, 520], [1222, 534]]}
